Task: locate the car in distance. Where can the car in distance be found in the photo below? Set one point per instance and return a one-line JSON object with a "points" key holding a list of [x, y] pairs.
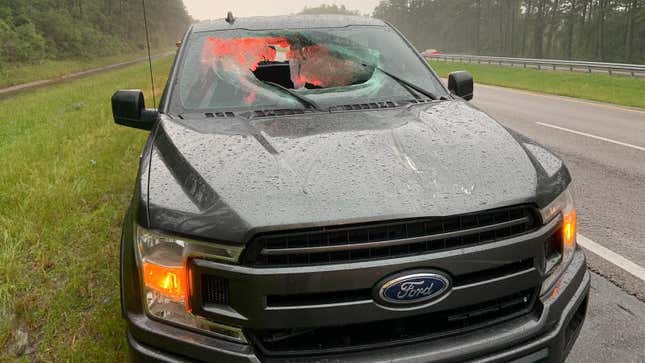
{"points": [[430, 52], [310, 191]]}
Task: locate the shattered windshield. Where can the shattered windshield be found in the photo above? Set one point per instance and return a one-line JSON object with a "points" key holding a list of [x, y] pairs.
{"points": [[275, 69]]}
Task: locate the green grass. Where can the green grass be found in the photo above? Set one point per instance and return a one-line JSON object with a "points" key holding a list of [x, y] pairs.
{"points": [[67, 175], [13, 74], [620, 90]]}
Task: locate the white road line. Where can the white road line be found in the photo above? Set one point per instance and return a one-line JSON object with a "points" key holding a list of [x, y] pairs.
{"points": [[612, 257], [591, 136]]}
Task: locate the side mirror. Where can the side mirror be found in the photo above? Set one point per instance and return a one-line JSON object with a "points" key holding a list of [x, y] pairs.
{"points": [[129, 109], [460, 83]]}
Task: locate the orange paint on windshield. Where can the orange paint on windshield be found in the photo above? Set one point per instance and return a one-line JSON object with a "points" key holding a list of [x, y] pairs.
{"points": [[245, 52], [313, 64]]}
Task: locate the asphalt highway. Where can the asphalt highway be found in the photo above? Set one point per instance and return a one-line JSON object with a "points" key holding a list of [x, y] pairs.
{"points": [[604, 147]]}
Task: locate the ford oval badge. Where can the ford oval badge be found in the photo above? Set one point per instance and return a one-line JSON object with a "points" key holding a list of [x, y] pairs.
{"points": [[412, 289]]}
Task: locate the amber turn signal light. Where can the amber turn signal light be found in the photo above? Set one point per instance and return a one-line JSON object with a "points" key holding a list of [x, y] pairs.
{"points": [[569, 229], [169, 281]]}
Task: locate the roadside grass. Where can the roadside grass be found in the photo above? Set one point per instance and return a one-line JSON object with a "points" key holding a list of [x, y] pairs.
{"points": [[621, 90], [66, 177], [13, 74]]}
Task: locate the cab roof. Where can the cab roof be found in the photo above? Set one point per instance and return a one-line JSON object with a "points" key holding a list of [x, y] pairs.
{"points": [[286, 22]]}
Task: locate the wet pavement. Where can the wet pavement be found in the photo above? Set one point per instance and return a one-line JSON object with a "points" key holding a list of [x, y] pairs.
{"points": [[615, 327]]}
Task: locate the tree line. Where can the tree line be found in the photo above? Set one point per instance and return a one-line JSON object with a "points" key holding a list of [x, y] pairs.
{"points": [[328, 9], [598, 30], [62, 29]]}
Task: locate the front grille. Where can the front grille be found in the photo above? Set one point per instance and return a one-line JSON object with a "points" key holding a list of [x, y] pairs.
{"points": [[328, 245], [336, 297], [337, 339]]}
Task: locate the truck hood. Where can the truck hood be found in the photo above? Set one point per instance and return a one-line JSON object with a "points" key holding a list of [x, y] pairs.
{"points": [[228, 178]]}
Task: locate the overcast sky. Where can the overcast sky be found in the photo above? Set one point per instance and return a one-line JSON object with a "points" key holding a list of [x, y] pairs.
{"points": [[213, 9]]}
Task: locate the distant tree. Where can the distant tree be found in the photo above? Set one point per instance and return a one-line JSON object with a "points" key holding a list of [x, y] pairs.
{"points": [[6, 34], [329, 9], [20, 44], [632, 14]]}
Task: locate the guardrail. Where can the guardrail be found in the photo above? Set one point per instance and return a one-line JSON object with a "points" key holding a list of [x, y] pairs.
{"points": [[635, 70]]}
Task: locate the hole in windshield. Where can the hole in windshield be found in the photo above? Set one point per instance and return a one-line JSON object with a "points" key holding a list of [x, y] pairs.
{"points": [[275, 59]]}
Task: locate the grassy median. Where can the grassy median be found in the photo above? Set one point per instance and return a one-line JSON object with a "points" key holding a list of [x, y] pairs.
{"points": [[13, 74], [67, 174], [620, 90]]}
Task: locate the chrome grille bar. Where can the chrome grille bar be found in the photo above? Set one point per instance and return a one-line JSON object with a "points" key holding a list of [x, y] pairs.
{"points": [[394, 242]]}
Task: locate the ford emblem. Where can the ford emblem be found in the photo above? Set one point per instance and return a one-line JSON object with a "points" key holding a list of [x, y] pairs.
{"points": [[412, 288]]}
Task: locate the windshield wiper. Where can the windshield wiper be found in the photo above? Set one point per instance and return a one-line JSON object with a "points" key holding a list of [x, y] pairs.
{"points": [[302, 99], [407, 85]]}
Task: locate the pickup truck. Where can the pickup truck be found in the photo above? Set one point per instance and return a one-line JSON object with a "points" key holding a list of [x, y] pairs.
{"points": [[311, 191]]}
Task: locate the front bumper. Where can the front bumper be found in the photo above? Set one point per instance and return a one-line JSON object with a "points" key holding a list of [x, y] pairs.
{"points": [[547, 337]]}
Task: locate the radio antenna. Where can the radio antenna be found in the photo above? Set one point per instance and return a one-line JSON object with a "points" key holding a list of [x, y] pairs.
{"points": [[152, 79]]}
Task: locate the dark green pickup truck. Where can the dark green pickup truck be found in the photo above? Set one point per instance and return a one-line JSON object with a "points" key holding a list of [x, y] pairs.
{"points": [[310, 191]]}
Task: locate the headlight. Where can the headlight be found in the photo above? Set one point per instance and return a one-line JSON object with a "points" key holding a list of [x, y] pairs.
{"points": [[565, 239], [162, 262]]}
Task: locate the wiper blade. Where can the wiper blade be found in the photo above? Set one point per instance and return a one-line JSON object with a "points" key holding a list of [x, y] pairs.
{"points": [[407, 85], [302, 99]]}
